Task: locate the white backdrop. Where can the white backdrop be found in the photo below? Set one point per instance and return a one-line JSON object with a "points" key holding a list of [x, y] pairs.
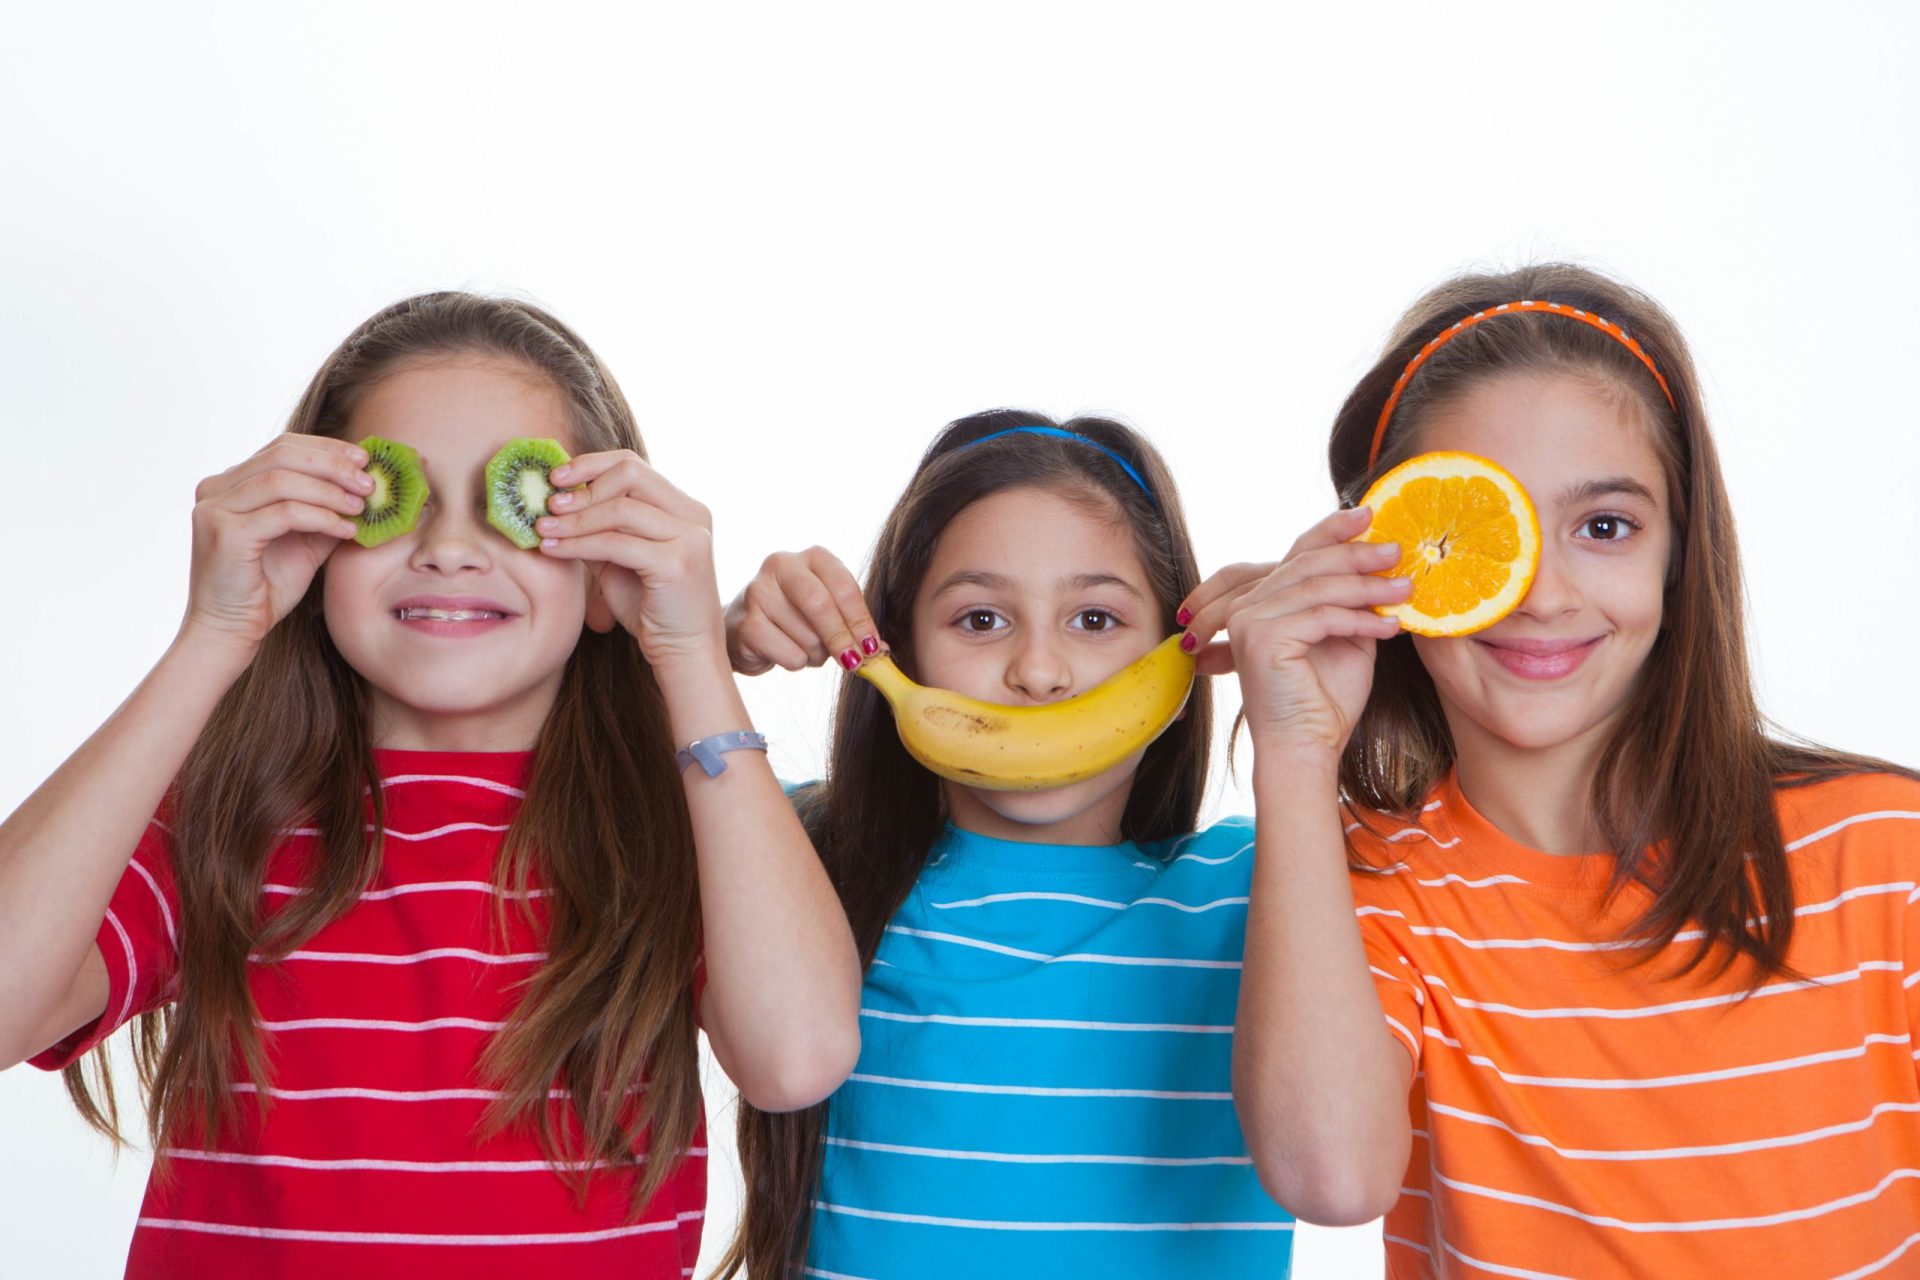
{"points": [[806, 236]]}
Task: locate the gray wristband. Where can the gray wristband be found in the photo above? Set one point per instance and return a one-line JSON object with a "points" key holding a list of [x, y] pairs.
{"points": [[708, 750]]}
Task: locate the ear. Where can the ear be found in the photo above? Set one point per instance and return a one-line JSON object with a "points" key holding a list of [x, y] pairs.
{"points": [[599, 613]]}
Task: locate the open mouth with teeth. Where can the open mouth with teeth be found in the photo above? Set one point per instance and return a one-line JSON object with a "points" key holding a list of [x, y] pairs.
{"points": [[415, 614]]}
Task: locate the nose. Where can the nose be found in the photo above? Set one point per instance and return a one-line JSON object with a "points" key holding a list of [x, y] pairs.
{"points": [[1038, 669], [450, 541], [1555, 591]]}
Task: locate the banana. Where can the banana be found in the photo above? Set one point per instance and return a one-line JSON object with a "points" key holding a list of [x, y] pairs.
{"points": [[997, 748]]}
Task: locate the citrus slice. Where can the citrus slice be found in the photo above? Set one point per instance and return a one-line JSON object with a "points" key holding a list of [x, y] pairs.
{"points": [[1468, 538]]}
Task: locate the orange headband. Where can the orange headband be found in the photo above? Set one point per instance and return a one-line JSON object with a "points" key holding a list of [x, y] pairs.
{"points": [[1585, 317]]}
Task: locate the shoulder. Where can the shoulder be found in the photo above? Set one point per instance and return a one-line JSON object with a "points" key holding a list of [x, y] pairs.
{"points": [[1861, 809], [1228, 840]]}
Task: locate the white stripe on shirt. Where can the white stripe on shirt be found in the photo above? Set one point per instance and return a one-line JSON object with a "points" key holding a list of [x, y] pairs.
{"points": [[1157, 962], [1661, 1082], [404, 1237], [987, 1224], [1015, 1157], [1039, 1091], [1059, 1024]]}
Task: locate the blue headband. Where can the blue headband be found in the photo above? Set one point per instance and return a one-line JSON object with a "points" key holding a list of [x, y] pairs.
{"points": [[1077, 438]]}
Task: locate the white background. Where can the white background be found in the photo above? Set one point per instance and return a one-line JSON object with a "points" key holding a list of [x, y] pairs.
{"points": [[806, 236]]}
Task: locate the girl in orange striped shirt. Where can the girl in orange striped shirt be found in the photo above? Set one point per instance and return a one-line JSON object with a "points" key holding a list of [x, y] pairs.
{"points": [[1555, 956]]}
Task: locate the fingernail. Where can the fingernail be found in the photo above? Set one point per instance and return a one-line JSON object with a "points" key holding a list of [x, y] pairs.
{"points": [[549, 542], [558, 473], [1184, 616], [546, 524], [1387, 550], [559, 499], [870, 645], [1189, 642], [850, 659], [363, 481]]}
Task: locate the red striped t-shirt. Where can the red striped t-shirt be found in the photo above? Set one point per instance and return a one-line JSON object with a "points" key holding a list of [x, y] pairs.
{"points": [[367, 1162], [1576, 1114]]}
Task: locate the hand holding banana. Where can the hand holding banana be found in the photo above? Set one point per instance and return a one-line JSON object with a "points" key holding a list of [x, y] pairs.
{"points": [[802, 607]]}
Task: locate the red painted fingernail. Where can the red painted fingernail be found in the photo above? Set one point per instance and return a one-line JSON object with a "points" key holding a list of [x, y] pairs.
{"points": [[1184, 616], [850, 659], [870, 645], [1189, 642]]}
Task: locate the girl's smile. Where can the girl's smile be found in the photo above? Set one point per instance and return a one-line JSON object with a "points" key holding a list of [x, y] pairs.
{"points": [[1538, 659], [451, 616]]}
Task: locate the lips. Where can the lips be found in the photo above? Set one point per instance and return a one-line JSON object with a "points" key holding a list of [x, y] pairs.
{"points": [[451, 615], [1540, 659]]}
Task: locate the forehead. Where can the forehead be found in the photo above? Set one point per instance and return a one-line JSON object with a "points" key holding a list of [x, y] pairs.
{"points": [[1038, 537], [457, 409], [1553, 431]]}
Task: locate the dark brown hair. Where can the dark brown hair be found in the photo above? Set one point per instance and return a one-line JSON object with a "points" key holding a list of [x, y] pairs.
{"points": [[877, 815], [603, 829], [1684, 791]]}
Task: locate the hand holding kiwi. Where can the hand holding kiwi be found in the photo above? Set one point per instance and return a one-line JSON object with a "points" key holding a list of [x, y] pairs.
{"points": [[262, 529], [651, 548]]}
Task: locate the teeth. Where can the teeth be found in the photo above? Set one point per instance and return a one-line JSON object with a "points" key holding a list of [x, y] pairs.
{"points": [[448, 615]]}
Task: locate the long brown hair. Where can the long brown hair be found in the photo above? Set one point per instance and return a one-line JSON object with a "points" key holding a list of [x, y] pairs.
{"points": [[877, 815], [603, 829], [1684, 791]]}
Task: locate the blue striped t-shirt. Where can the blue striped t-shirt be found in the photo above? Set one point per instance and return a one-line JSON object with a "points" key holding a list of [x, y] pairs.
{"points": [[1044, 1078]]}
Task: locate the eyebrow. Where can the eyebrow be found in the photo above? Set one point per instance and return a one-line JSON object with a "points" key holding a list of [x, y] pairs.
{"points": [[1611, 486], [1000, 582]]}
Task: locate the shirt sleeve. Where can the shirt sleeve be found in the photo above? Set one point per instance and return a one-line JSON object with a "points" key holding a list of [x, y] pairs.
{"points": [[1383, 926], [140, 943]]}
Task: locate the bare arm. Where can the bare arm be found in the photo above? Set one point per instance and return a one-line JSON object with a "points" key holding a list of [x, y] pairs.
{"points": [[261, 531], [1319, 1082], [782, 1001]]}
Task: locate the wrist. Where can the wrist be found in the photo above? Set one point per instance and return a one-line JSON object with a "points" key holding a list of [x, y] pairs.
{"points": [[1298, 762], [211, 647]]}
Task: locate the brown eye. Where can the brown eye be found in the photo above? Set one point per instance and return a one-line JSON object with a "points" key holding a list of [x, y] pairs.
{"points": [[1607, 528], [979, 620], [1094, 620]]}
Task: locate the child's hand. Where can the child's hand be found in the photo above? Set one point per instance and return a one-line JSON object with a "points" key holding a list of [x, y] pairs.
{"points": [[799, 610], [262, 529], [1302, 633], [650, 548]]}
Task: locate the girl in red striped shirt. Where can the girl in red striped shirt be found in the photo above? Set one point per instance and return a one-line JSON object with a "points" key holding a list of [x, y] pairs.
{"points": [[391, 862], [1619, 983]]}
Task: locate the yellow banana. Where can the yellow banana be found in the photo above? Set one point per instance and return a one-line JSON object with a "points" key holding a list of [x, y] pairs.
{"points": [[997, 748]]}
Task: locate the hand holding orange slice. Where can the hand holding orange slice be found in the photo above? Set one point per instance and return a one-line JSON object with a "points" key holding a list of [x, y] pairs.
{"points": [[1468, 538]]}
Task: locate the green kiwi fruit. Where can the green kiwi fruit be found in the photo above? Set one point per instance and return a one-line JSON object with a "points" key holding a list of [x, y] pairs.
{"points": [[518, 486], [399, 491]]}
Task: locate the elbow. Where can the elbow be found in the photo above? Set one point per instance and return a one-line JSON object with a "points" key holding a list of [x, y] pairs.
{"points": [[1330, 1193], [806, 1075], [1332, 1171]]}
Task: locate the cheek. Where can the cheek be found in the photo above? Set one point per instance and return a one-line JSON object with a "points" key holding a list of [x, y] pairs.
{"points": [[1446, 659], [347, 585]]}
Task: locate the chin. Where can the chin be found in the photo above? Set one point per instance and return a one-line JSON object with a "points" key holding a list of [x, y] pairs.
{"points": [[1042, 808]]}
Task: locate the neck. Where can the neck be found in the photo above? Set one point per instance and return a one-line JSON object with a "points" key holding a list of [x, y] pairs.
{"points": [[1543, 798], [1097, 824], [402, 728]]}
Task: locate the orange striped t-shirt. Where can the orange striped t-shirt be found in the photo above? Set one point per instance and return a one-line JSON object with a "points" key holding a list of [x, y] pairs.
{"points": [[1577, 1115]]}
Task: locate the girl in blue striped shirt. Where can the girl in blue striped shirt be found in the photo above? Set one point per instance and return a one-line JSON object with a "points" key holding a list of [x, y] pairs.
{"points": [[1044, 1081]]}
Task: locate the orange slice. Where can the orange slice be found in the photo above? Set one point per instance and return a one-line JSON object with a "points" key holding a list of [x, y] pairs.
{"points": [[1468, 538]]}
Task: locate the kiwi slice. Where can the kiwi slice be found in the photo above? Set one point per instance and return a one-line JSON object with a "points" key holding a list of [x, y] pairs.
{"points": [[399, 491], [518, 486]]}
